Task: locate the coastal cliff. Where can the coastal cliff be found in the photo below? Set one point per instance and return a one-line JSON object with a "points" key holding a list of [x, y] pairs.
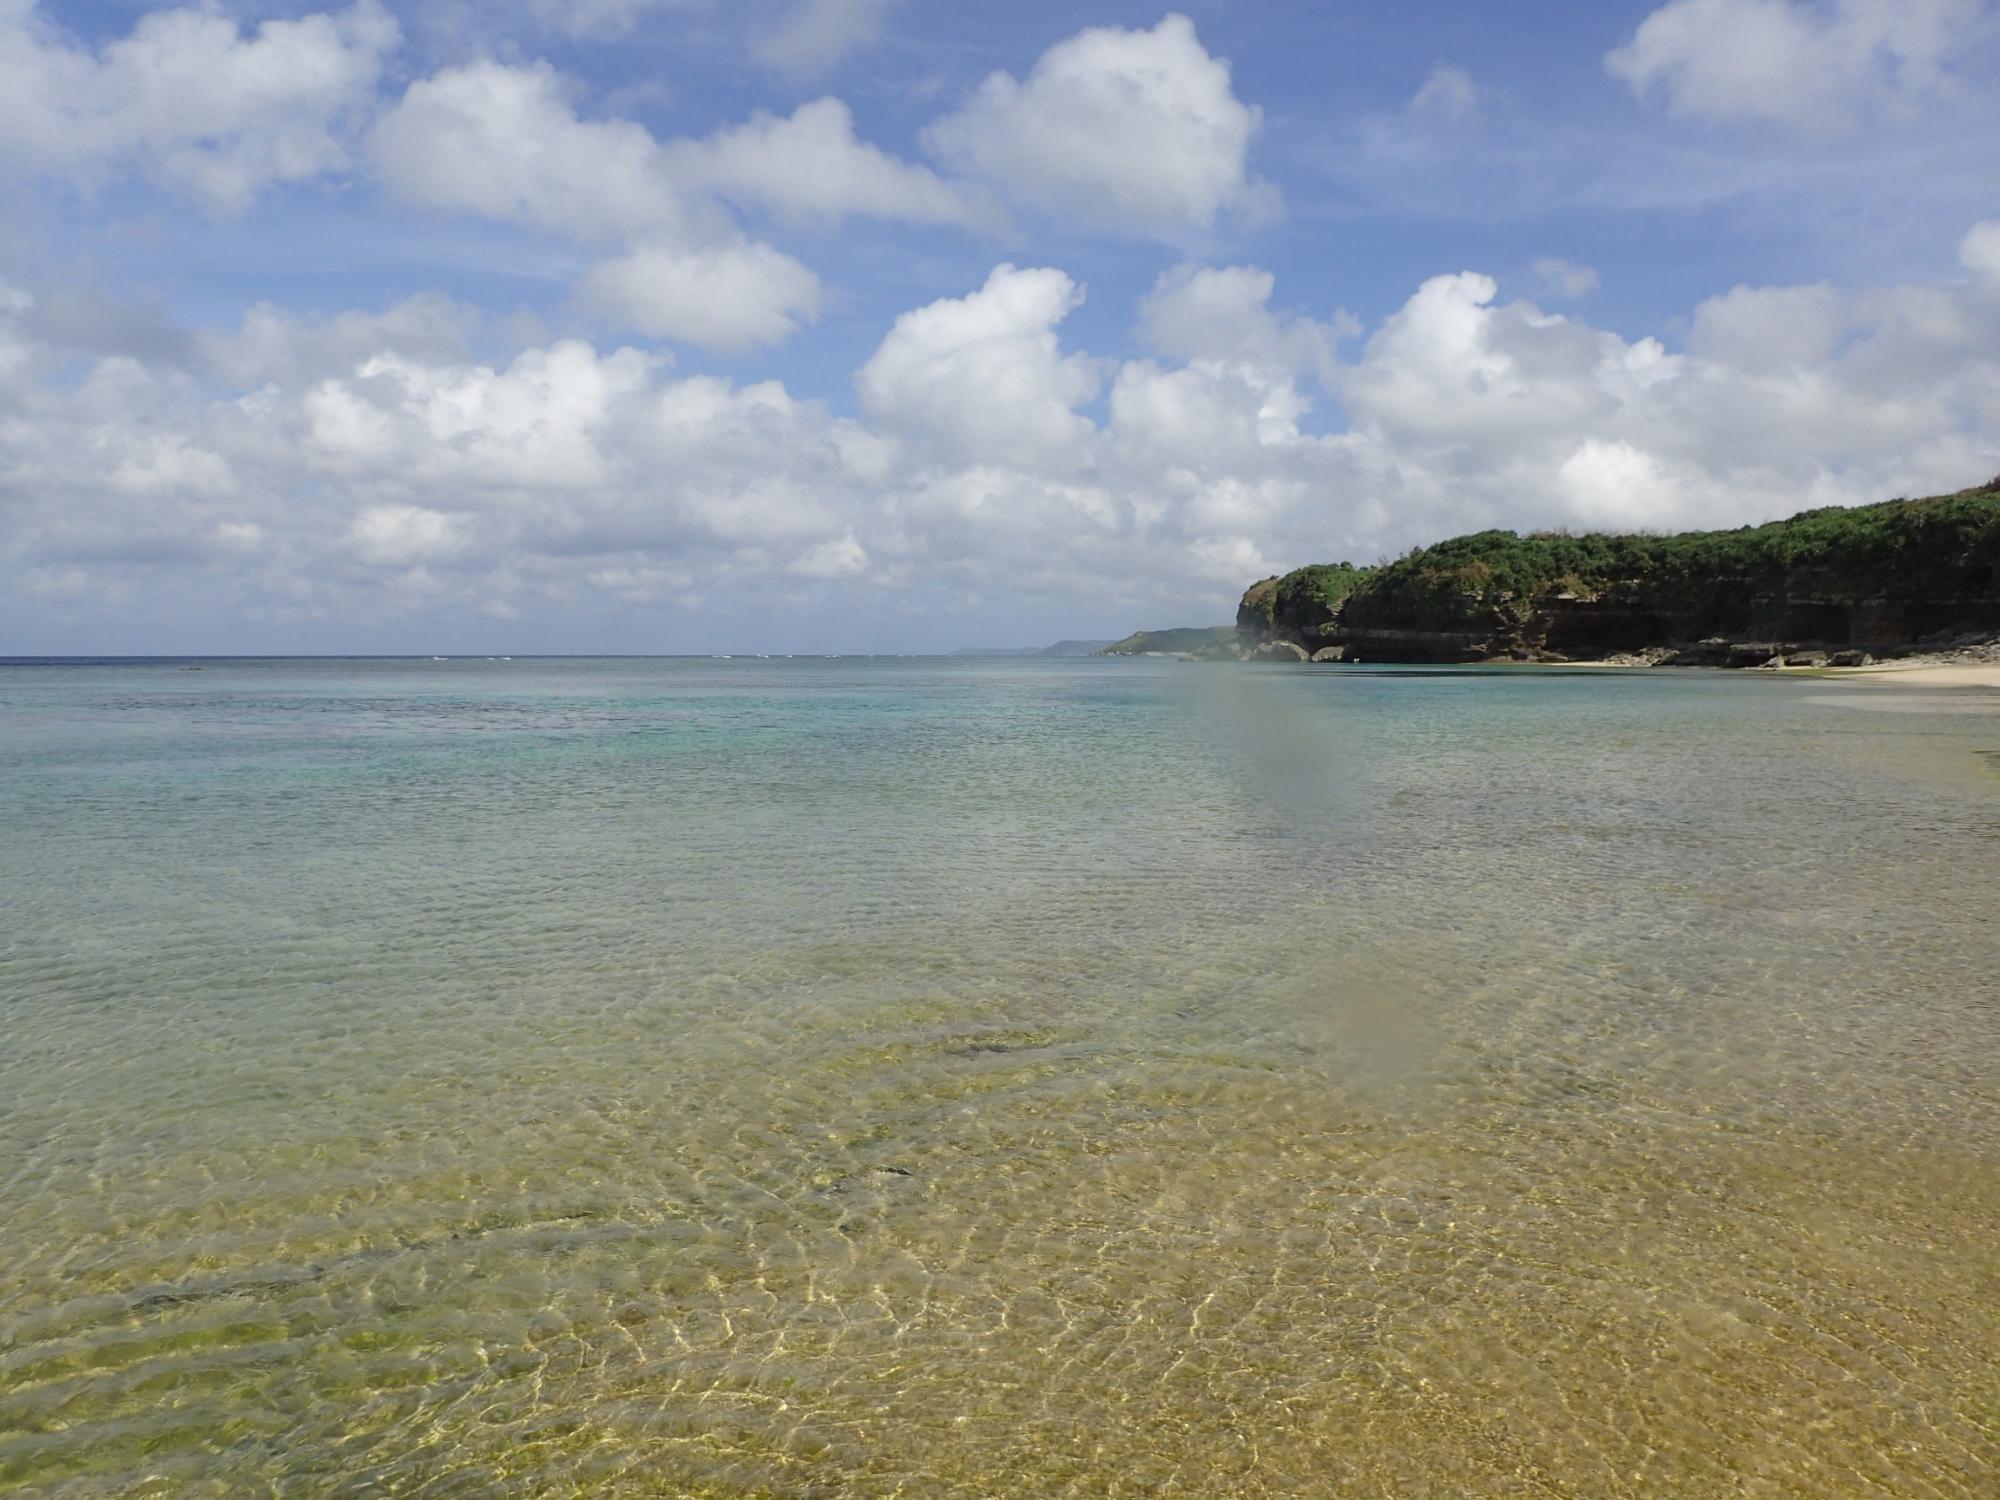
{"points": [[1881, 579]]}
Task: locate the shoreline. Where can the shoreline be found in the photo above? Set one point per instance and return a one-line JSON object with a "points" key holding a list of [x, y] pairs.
{"points": [[1923, 674], [1914, 672]]}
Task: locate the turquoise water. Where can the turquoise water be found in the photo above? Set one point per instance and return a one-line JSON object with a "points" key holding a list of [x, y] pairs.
{"points": [[933, 1078]]}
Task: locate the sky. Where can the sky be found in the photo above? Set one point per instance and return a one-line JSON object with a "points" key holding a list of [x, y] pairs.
{"points": [[902, 325]]}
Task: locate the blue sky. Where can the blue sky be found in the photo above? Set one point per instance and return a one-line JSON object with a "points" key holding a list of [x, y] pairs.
{"points": [[858, 324]]}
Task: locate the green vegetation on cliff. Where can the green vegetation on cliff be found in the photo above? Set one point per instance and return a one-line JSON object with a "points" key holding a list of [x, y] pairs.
{"points": [[1901, 546], [1898, 570], [1312, 592]]}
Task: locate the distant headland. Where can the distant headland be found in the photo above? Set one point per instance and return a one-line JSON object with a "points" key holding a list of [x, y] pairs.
{"points": [[1060, 648], [1836, 586]]}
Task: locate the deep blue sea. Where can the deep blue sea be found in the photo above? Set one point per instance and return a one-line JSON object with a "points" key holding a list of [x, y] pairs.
{"points": [[937, 1078]]}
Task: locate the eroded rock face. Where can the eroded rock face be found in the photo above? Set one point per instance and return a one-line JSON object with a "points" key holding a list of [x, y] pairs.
{"points": [[1280, 651], [1886, 579], [1726, 627], [1253, 615]]}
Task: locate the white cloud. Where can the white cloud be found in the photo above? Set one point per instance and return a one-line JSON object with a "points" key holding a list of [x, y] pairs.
{"points": [[1204, 312], [983, 377], [1615, 486], [1770, 328], [1219, 420], [300, 475], [729, 298], [401, 535], [1129, 130], [815, 35], [535, 424], [1814, 64], [842, 557], [1786, 397], [1448, 94], [1979, 251], [274, 347], [812, 168], [1447, 364], [189, 100], [1563, 278], [505, 143]]}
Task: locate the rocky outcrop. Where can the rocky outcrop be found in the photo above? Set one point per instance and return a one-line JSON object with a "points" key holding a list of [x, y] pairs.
{"points": [[1302, 606], [1280, 651], [1883, 580]]}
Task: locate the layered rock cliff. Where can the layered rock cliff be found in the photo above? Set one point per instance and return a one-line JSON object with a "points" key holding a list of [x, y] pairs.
{"points": [[1881, 578]]}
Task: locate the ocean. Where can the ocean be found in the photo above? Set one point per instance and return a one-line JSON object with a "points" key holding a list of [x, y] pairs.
{"points": [[936, 1078]]}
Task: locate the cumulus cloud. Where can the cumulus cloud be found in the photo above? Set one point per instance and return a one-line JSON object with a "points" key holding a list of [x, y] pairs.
{"points": [[812, 168], [1785, 397], [1205, 312], [1762, 329], [728, 298], [451, 428], [505, 143], [814, 35], [1812, 64], [276, 348], [1131, 130], [984, 377], [190, 100]]}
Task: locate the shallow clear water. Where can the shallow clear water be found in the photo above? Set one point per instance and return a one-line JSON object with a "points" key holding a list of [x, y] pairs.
{"points": [[866, 1078]]}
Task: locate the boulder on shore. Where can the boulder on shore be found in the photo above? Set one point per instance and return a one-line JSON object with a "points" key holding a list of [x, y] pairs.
{"points": [[1756, 653]]}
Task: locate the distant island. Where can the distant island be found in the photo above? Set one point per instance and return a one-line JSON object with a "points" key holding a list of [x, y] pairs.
{"points": [[1830, 586], [1211, 642], [1060, 648]]}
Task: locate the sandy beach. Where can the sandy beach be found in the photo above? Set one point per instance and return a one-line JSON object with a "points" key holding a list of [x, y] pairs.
{"points": [[1930, 674], [1920, 673], [1976, 666]]}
